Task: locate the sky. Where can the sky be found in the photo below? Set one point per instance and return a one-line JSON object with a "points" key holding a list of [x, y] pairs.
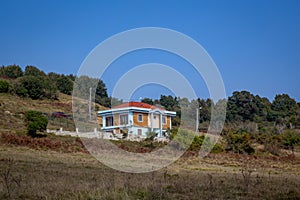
{"points": [[255, 44]]}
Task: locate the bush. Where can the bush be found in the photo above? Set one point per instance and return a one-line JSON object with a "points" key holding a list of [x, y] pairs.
{"points": [[11, 71], [64, 85], [4, 86], [35, 87], [291, 139], [33, 71], [197, 143], [239, 143], [20, 90], [36, 121], [183, 139], [218, 148]]}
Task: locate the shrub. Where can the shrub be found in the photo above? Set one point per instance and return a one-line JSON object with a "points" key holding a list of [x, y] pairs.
{"points": [[36, 121], [239, 143], [291, 139], [183, 139], [35, 87], [197, 143], [64, 85], [4, 86], [218, 148], [11, 71]]}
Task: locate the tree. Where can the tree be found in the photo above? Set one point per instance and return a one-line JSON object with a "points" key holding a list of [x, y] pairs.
{"points": [[35, 121], [33, 85], [101, 90], [53, 76], [148, 101], [4, 86], [238, 142], [291, 139], [33, 71], [19, 89], [11, 71], [84, 83], [205, 111], [64, 85], [284, 105], [50, 88], [244, 106], [168, 102], [36, 87]]}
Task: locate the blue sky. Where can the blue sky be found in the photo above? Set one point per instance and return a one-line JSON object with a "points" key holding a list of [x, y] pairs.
{"points": [[255, 44]]}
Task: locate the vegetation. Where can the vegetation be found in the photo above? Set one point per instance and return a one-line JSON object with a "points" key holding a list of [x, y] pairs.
{"points": [[250, 119], [36, 121], [36, 84], [4, 86], [11, 71]]}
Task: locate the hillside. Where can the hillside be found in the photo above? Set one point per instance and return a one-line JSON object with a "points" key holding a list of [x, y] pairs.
{"points": [[13, 107]]}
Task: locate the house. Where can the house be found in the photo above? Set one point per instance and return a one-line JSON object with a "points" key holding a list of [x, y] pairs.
{"points": [[136, 118]]}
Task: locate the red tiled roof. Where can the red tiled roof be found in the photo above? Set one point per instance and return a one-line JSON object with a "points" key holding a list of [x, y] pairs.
{"points": [[138, 105]]}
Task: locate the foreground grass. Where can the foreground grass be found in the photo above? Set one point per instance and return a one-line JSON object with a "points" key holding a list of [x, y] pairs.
{"points": [[47, 174]]}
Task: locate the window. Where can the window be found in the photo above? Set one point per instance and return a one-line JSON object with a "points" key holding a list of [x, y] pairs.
{"points": [[164, 119], [109, 121], [139, 131], [123, 119], [140, 117]]}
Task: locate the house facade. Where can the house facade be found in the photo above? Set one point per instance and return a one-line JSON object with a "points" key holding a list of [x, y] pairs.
{"points": [[136, 118]]}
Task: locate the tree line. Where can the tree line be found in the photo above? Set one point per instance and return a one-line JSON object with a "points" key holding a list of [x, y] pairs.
{"points": [[243, 109], [250, 120], [36, 84]]}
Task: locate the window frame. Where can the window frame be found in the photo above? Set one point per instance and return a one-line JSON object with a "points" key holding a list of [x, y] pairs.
{"points": [[164, 120], [139, 132], [106, 120], [122, 115], [138, 118]]}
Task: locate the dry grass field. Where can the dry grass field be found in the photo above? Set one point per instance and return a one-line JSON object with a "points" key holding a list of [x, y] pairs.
{"points": [[33, 173]]}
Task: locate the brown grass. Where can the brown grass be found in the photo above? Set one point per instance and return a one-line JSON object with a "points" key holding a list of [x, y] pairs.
{"points": [[48, 174], [59, 144]]}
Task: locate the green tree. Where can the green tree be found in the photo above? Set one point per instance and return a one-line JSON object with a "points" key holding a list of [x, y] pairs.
{"points": [[71, 77], [168, 102], [53, 76], [36, 87], [283, 106], [291, 139], [33, 71], [238, 142], [11, 71], [64, 85], [50, 88], [242, 106], [101, 90], [33, 85], [148, 101], [4, 86], [35, 121], [19, 89], [205, 111]]}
